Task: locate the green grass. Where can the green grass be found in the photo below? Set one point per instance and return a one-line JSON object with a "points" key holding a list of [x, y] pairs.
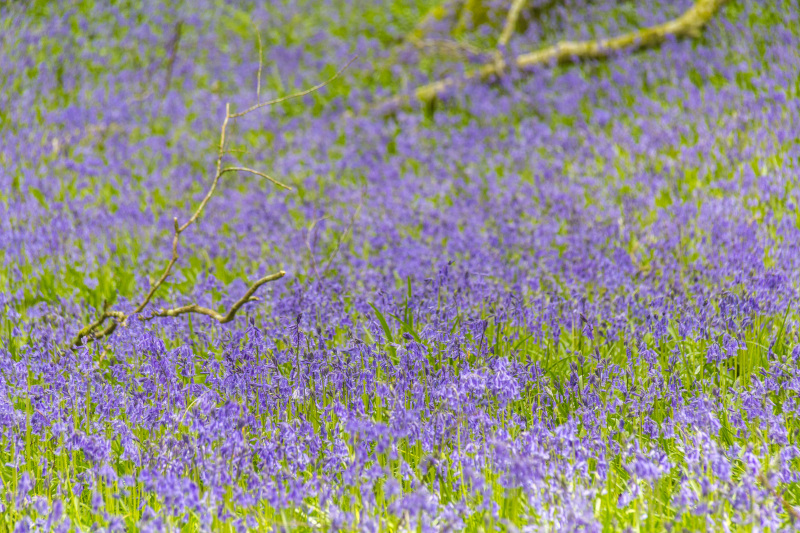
{"points": [[555, 361], [52, 278]]}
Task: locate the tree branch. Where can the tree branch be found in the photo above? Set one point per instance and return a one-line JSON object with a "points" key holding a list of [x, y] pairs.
{"points": [[95, 330], [688, 25], [222, 319], [260, 63], [295, 95], [257, 173], [511, 22]]}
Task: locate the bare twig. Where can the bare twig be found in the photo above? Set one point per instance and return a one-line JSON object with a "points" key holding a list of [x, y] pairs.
{"points": [[173, 54], [689, 24], [295, 95], [260, 63], [222, 319], [257, 173], [95, 330]]}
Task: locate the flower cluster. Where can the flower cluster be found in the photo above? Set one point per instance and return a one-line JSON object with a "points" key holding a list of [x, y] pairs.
{"points": [[564, 301]]}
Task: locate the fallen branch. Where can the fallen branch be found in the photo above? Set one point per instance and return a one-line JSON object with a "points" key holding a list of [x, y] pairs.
{"points": [[688, 25], [511, 22], [460, 11], [260, 64], [96, 329]]}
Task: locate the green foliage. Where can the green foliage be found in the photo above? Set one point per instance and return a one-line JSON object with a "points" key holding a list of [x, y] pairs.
{"points": [[116, 275]]}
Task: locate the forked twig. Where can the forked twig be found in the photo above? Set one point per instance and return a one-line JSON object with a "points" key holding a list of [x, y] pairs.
{"points": [[257, 173], [222, 319], [295, 95], [95, 330]]}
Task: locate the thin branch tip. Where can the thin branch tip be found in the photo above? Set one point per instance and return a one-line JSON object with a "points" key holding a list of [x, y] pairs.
{"points": [[257, 173], [293, 95]]}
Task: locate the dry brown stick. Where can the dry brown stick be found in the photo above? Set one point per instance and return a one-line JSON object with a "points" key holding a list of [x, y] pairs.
{"points": [[689, 24], [101, 320], [95, 330]]}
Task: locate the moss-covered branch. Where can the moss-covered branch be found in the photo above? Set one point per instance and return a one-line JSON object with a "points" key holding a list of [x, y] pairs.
{"points": [[512, 20], [689, 25], [465, 15]]}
